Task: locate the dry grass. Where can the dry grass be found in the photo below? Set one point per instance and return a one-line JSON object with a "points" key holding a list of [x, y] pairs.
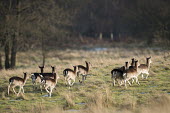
{"points": [[97, 105], [97, 95]]}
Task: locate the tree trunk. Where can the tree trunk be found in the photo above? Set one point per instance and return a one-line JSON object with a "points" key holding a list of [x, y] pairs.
{"points": [[43, 51], [81, 38], [1, 67], [13, 51], [43, 59], [100, 36], [6, 50], [14, 37], [111, 36]]}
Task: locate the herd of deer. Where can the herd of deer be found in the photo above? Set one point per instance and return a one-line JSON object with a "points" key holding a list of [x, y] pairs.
{"points": [[49, 80], [125, 73]]}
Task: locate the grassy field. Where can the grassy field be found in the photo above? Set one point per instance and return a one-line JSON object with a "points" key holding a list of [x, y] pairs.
{"points": [[96, 95]]}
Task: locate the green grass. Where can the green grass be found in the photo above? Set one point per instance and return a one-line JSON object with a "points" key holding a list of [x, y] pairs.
{"points": [[97, 91]]}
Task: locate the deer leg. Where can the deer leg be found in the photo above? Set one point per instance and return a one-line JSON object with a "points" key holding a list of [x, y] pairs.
{"points": [[142, 75], [65, 80], [117, 82], [120, 82], [19, 90], [78, 74], [23, 89], [133, 80], [125, 84], [34, 85], [46, 88], [73, 82], [147, 75], [69, 82], [8, 88], [41, 87], [83, 78], [113, 81], [51, 89], [14, 89], [129, 82], [137, 81]]}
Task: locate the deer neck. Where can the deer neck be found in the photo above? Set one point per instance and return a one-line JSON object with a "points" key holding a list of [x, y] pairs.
{"points": [[75, 69], [87, 66], [25, 78], [53, 70], [148, 63], [126, 65], [133, 62], [136, 66], [42, 70], [55, 78]]}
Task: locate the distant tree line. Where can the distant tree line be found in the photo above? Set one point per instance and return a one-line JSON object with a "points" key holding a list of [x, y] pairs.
{"points": [[39, 23], [136, 18]]}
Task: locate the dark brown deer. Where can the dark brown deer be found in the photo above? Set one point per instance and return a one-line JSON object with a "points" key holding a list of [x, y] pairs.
{"points": [[117, 74], [132, 63]]}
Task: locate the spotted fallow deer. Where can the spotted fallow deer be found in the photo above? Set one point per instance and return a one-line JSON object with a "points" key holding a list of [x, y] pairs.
{"points": [[70, 75], [17, 81], [82, 70], [131, 73], [50, 83], [36, 78], [144, 68]]}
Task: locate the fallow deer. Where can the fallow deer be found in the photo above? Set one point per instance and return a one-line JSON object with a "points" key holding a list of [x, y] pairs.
{"points": [[131, 73], [50, 83], [144, 68], [117, 74], [17, 81], [70, 75], [132, 63], [82, 70], [36, 78]]}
